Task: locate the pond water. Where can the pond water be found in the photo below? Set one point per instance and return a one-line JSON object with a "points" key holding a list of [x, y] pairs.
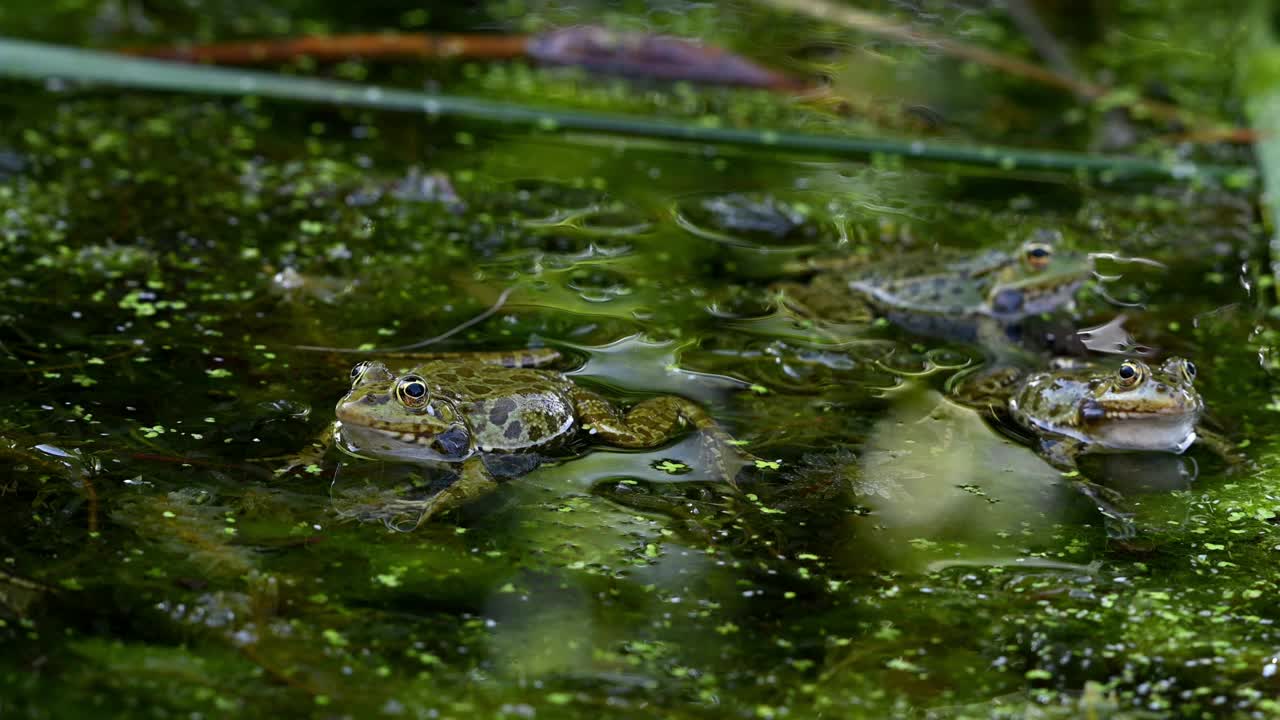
{"points": [[173, 262]]}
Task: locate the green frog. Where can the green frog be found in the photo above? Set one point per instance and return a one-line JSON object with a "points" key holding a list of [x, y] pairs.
{"points": [[1083, 409], [474, 409], [1132, 408], [946, 294]]}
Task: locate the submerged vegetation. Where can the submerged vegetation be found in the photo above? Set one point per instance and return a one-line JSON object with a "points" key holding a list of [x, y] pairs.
{"points": [[195, 260]]}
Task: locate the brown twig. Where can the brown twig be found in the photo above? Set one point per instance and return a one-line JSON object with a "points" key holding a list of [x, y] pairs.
{"points": [[343, 47], [1024, 15], [1239, 136], [92, 494], [596, 49], [876, 25]]}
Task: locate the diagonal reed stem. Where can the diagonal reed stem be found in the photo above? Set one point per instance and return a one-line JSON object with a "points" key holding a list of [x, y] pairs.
{"points": [[41, 62]]}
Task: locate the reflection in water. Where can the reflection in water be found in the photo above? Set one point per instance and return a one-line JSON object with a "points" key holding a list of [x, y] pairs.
{"points": [[1143, 473], [901, 559], [959, 490], [541, 630], [637, 364], [1111, 337]]}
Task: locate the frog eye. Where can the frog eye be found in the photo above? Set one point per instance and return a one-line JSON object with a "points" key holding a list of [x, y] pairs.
{"points": [[369, 372], [411, 391], [358, 370], [1038, 254], [1130, 374], [1180, 369]]}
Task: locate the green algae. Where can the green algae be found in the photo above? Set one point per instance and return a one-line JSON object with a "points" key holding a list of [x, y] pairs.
{"points": [[165, 256]]}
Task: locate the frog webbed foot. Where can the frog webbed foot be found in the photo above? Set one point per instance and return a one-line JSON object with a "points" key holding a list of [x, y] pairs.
{"points": [[721, 456], [474, 482], [1118, 523], [1062, 454], [1220, 446], [819, 302], [655, 421], [311, 455]]}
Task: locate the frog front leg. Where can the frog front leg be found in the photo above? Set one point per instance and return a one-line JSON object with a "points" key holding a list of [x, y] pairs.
{"points": [[1219, 445], [652, 422], [312, 454], [1061, 453], [824, 298], [474, 482]]}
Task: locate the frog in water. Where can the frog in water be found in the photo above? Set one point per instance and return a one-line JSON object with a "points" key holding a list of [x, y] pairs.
{"points": [[944, 293], [1132, 408], [473, 409], [1089, 409]]}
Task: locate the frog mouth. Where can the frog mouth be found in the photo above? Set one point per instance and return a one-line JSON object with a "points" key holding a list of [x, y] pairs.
{"points": [[1092, 411], [384, 430], [451, 444], [408, 438], [1167, 429]]}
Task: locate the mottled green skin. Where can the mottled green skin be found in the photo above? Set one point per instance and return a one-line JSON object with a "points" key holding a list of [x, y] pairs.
{"points": [[473, 407], [485, 404], [1072, 412], [948, 294], [994, 283]]}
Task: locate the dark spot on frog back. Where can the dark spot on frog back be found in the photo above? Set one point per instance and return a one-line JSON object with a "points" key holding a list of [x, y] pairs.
{"points": [[454, 442], [1007, 301], [501, 410], [513, 430]]}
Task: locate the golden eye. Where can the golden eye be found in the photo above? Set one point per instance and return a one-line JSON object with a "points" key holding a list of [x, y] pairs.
{"points": [[1038, 254], [1130, 374], [411, 391]]}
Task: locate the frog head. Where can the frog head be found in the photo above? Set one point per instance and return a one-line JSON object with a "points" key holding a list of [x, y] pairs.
{"points": [[386, 415], [1136, 407], [1041, 277]]}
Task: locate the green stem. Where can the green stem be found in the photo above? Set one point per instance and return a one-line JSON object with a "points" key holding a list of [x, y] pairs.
{"points": [[1260, 81], [40, 62]]}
